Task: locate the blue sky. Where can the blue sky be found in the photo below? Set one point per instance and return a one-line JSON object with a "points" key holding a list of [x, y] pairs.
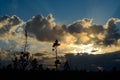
{"points": [[64, 11]]}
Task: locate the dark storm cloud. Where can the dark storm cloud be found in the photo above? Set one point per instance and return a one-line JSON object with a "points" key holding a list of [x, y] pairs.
{"points": [[93, 62], [112, 34], [45, 29], [95, 29], [96, 33], [75, 28]]}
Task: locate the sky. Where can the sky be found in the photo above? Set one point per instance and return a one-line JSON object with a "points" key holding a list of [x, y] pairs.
{"points": [[64, 11], [81, 26]]}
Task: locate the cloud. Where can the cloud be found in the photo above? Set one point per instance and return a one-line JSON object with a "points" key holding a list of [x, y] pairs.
{"points": [[112, 34], [86, 32], [45, 29], [10, 33], [80, 32], [111, 22], [79, 25], [9, 23], [92, 62], [38, 54]]}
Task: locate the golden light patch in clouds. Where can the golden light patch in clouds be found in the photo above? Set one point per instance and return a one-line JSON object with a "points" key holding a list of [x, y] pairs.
{"points": [[83, 48], [67, 39], [83, 37], [92, 35], [101, 36], [3, 23], [112, 48]]}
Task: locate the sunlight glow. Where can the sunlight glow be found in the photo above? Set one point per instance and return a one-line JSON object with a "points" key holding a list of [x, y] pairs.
{"points": [[89, 49]]}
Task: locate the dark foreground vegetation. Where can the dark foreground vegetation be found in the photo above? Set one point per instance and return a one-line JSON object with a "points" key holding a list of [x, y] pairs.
{"points": [[59, 75], [27, 68]]}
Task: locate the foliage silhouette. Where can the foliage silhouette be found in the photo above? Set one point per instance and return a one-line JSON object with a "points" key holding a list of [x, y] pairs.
{"points": [[26, 62], [55, 45], [66, 66]]}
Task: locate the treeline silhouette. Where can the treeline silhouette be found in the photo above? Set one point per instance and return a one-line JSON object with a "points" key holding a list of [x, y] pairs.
{"points": [[25, 66], [24, 61]]}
